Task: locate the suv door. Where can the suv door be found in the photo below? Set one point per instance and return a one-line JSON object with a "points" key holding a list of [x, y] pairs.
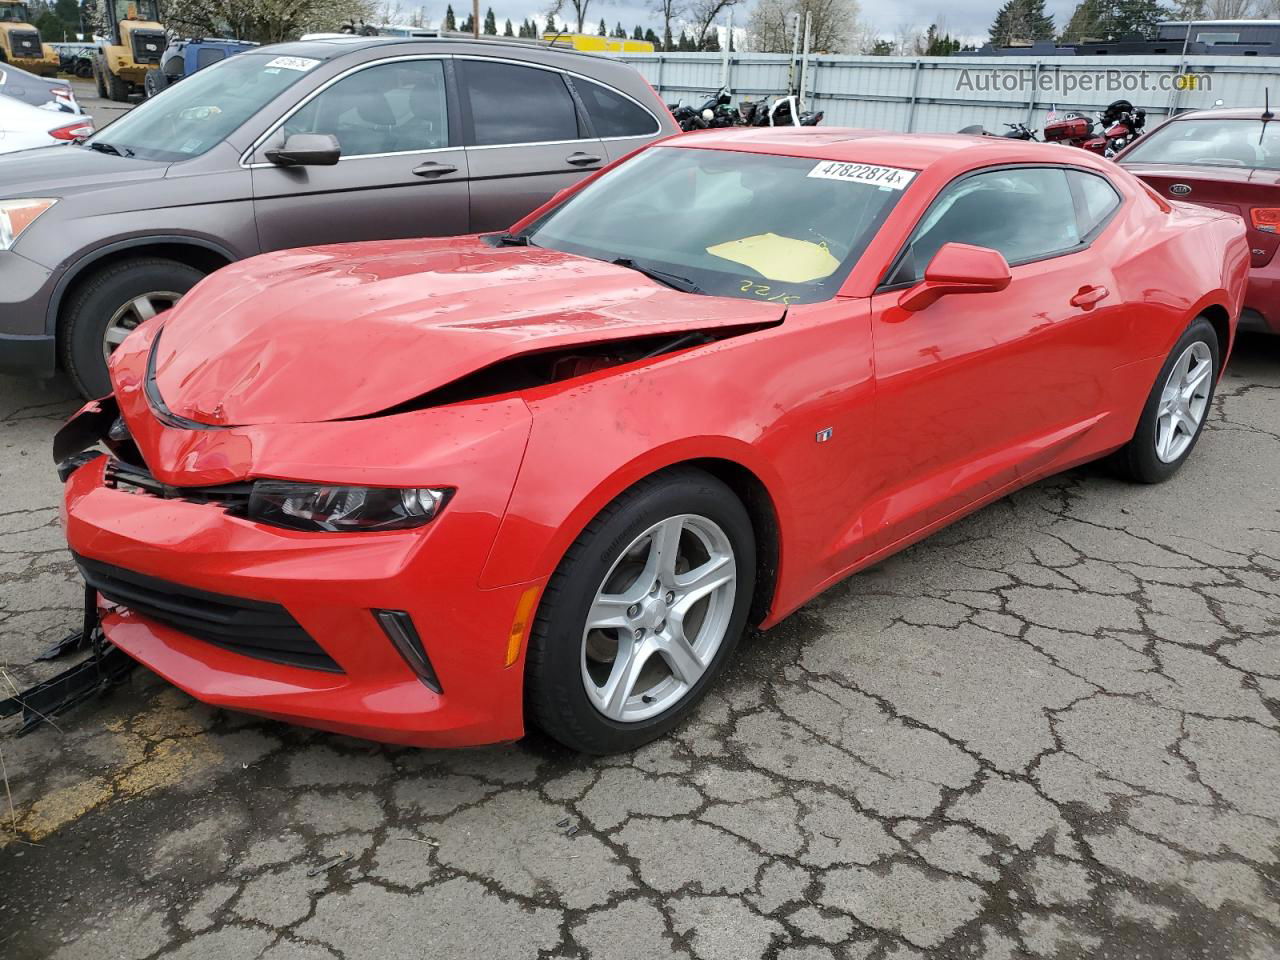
{"points": [[526, 138], [978, 391], [401, 174]]}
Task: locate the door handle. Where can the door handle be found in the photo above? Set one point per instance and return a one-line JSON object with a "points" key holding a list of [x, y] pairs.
{"points": [[433, 169], [581, 159], [1087, 296]]}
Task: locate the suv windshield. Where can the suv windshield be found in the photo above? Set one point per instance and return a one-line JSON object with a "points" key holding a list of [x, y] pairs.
{"points": [[748, 225], [204, 109], [1211, 142]]}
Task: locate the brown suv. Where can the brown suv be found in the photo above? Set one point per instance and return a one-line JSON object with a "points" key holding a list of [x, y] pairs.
{"points": [[321, 141]]}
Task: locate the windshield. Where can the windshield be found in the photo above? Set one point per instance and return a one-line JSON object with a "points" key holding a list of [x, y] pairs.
{"points": [[1211, 142], [14, 13], [191, 117], [136, 10], [754, 226]]}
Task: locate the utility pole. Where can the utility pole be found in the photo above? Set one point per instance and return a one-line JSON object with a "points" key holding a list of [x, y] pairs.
{"points": [[475, 19]]}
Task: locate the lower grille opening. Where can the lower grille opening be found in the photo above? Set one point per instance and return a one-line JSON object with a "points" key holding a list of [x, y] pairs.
{"points": [[253, 628]]}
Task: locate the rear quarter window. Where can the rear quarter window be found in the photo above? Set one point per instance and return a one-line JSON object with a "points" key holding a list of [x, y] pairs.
{"points": [[612, 114]]}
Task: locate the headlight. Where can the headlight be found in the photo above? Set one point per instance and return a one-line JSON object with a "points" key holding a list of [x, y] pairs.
{"points": [[17, 215], [308, 506]]}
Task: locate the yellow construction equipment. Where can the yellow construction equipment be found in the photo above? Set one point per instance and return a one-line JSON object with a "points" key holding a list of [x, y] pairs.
{"points": [[20, 41], [130, 41]]}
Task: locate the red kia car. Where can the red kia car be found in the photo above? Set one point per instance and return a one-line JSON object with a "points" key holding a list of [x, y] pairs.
{"points": [[428, 491], [1226, 160]]}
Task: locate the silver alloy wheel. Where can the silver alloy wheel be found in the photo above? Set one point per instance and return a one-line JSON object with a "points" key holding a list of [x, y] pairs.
{"points": [[133, 313], [658, 618], [1184, 401]]}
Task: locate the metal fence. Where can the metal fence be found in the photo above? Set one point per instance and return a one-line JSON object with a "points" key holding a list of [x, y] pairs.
{"points": [[946, 93]]}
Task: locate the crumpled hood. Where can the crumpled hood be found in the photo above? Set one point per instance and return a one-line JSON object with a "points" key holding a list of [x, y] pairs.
{"points": [[328, 333]]}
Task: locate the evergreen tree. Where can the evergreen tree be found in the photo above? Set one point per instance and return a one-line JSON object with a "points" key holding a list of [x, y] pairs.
{"points": [[620, 31], [882, 48], [1021, 21], [490, 24], [653, 38], [551, 24], [506, 30], [466, 25], [1086, 23], [1138, 18], [939, 44], [450, 22], [711, 42], [637, 34]]}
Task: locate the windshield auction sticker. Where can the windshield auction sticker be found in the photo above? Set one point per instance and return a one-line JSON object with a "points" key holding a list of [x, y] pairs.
{"points": [[292, 63], [891, 178]]}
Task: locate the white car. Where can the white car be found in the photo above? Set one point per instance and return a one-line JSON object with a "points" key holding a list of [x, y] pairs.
{"points": [[23, 126]]}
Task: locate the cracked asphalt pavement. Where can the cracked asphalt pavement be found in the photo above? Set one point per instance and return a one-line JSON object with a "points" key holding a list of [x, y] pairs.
{"points": [[1052, 730]]}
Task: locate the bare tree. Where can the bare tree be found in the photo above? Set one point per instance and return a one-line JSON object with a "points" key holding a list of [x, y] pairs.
{"points": [[266, 21], [1228, 9], [668, 11], [836, 25], [703, 15], [579, 8]]}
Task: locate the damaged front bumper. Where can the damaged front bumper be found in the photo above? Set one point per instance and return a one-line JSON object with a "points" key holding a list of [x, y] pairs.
{"points": [[384, 635]]}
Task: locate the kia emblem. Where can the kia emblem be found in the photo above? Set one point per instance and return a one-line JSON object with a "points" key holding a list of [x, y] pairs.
{"points": [[1180, 189]]}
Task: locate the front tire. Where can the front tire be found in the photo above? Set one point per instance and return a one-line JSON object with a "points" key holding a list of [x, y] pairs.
{"points": [[154, 82], [642, 614], [1176, 408], [110, 304]]}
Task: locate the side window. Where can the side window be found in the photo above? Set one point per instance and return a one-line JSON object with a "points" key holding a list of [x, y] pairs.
{"points": [[1097, 199], [207, 56], [1026, 213], [388, 108], [514, 104], [612, 114]]}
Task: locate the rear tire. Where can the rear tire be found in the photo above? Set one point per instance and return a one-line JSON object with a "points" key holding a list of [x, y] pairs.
{"points": [[155, 81], [99, 71], [697, 604], [1176, 410], [98, 305]]}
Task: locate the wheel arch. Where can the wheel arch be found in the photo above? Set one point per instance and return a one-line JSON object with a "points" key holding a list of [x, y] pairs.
{"points": [[1220, 320], [204, 255], [730, 461]]}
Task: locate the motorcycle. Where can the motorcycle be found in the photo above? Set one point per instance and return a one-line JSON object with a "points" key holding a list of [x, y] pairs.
{"points": [[715, 112], [1114, 129], [1016, 131]]}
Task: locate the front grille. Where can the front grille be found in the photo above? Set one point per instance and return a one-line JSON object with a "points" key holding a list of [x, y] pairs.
{"points": [[232, 497], [265, 631], [26, 43], [147, 46]]}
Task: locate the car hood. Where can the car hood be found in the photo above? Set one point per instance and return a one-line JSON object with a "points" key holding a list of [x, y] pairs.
{"points": [[58, 170], [329, 333]]}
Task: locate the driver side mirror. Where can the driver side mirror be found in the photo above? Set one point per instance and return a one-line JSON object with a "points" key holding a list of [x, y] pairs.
{"points": [[958, 268], [306, 150]]}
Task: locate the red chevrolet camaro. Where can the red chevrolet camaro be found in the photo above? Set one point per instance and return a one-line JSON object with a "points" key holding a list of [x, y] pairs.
{"points": [[429, 491]]}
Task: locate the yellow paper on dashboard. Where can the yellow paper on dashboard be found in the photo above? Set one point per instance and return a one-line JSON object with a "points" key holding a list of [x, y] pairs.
{"points": [[779, 258]]}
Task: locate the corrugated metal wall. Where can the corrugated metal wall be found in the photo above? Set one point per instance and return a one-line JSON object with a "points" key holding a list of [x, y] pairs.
{"points": [[947, 93]]}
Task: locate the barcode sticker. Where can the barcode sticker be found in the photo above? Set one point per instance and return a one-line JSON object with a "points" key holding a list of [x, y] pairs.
{"points": [[292, 63], [892, 178]]}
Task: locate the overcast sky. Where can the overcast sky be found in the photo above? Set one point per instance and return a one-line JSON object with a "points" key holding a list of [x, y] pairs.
{"points": [[966, 18]]}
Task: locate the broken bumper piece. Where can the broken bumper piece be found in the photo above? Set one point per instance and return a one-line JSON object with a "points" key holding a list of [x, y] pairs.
{"points": [[105, 667]]}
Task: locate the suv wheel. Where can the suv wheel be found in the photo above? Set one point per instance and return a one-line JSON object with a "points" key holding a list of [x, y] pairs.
{"points": [[108, 306]]}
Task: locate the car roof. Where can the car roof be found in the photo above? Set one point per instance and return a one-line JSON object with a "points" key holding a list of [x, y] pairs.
{"points": [[330, 48], [914, 151], [1223, 113]]}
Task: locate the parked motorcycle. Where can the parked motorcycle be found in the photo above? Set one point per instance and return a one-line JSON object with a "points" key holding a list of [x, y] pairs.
{"points": [[716, 112], [1114, 129]]}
